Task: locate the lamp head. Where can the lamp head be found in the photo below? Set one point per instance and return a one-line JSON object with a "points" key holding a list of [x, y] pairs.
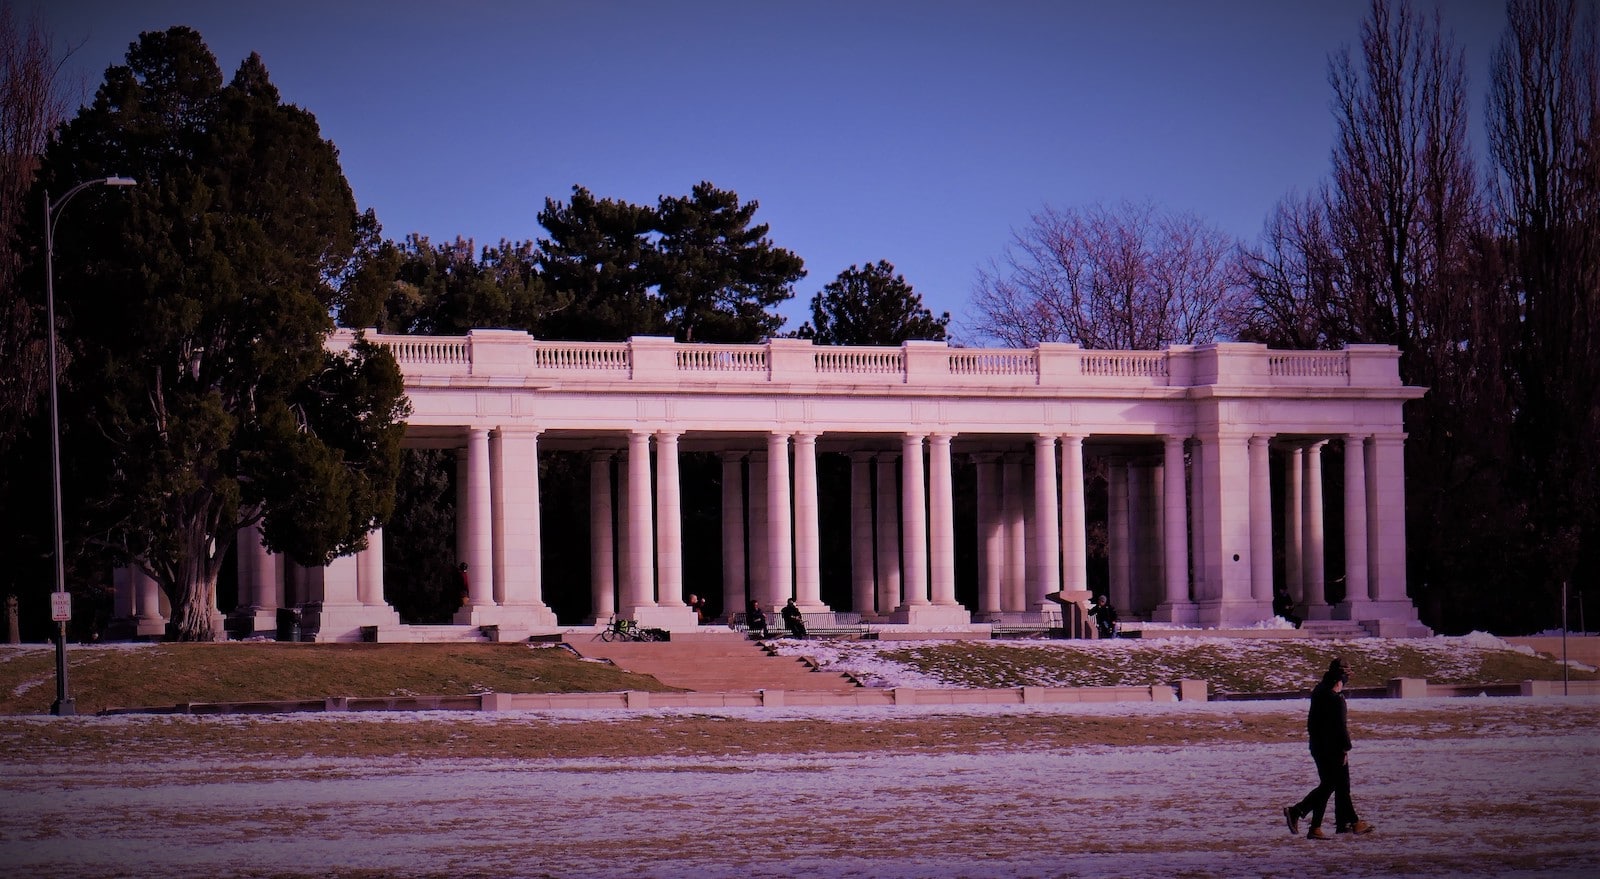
{"points": [[120, 181]]}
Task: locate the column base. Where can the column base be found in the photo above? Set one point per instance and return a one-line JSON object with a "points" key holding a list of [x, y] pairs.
{"points": [[1318, 612], [1178, 612], [520, 617], [343, 622], [673, 619], [250, 622], [1232, 614], [931, 615], [1385, 619]]}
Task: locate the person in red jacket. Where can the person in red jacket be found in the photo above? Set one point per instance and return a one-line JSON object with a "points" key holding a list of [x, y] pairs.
{"points": [[1330, 749]]}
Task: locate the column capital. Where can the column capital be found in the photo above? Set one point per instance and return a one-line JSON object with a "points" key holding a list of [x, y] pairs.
{"points": [[860, 457], [1073, 436], [940, 439], [732, 456], [806, 438], [517, 430], [665, 434], [601, 456]]}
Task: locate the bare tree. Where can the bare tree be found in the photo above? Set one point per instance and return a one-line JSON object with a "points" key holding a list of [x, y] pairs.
{"points": [[1292, 275], [31, 105], [1127, 277], [1403, 206], [1544, 135]]}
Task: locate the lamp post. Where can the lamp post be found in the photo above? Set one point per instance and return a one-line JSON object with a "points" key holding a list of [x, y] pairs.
{"points": [[61, 603]]}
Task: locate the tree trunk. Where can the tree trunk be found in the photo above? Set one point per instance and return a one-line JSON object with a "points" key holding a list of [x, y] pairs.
{"points": [[194, 602]]}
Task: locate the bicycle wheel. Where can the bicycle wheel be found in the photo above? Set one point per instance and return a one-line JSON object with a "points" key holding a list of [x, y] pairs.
{"points": [[607, 633]]}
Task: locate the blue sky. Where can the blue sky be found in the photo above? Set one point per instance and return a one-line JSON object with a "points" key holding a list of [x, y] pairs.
{"points": [[922, 133]]}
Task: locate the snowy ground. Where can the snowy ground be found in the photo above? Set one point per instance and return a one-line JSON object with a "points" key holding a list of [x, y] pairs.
{"points": [[1497, 802], [870, 662]]}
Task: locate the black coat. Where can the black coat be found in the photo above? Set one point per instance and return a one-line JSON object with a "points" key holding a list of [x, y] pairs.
{"points": [[1326, 721]]}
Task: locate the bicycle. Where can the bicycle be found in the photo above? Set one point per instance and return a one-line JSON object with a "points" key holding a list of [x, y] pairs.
{"points": [[625, 630]]}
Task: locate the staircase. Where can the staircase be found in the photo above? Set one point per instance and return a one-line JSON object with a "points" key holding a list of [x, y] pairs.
{"points": [[1334, 629], [709, 662]]}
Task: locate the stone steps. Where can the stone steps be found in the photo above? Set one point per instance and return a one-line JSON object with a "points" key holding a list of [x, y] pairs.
{"points": [[1335, 629], [709, 663]]}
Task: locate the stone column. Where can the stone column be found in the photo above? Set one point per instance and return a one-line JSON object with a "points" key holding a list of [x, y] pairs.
{"points": [[624, 532], [1074, 527], [914, 514], [602, 558], [1356, 596], [780, 530], [1118, 533], [479, 525], [1047, 545], [991, 534], [1260, 520], [1013, 507], [124, 600], [862, 582], [761, 588], [519, 555], [463, 476], [888, 536], [1151, 587], [150, 621], [732, 533], [807, 536], [941, 522], [1313, 574], [1198, 558], [1175, 606], [641, 530], [1386, 534], [497, 517], [369, 571], [1224, 596], [669, 523], [1293, 536]]}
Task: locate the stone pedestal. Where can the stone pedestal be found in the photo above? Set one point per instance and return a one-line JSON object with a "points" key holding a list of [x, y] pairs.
{"points": [[931, 615]]}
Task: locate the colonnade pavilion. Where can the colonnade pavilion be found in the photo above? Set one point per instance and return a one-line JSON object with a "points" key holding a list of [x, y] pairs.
{"points": [[1189, 437]]}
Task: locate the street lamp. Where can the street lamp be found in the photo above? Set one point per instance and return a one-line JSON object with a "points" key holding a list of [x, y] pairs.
{"points": [[61, 603]]}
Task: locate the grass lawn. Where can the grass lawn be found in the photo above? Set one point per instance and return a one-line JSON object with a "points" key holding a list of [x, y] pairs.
{"points": [[148, 675]]}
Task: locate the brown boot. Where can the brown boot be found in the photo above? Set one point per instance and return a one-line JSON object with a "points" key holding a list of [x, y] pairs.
{"points": [[1358, 828], [1316, 833], [1292, 819]]}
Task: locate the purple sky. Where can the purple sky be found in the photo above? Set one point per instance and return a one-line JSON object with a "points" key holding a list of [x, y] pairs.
{"points": [[918, 132]]}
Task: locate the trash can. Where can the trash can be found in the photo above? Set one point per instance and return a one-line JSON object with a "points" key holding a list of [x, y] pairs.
{"points": [[288, 624]]}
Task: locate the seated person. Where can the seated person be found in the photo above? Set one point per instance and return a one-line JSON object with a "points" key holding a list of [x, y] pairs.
{"points": [[792, 619], [754, 619], [1283, 606], [1105, 616]]}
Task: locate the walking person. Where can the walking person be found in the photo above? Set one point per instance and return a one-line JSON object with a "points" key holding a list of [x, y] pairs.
{"points": [[1330, 748]]}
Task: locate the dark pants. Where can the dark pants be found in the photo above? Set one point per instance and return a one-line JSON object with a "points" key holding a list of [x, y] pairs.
{"points": [[1333, 779]]}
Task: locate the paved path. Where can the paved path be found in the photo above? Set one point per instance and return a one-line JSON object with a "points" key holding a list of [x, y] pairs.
{"points": [[724, 661]]}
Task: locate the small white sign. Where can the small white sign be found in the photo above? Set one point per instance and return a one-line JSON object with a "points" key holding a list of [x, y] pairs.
{"points": [[60, 607]]}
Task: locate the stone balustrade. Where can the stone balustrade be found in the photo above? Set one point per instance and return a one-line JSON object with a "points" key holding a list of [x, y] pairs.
{"points": [[649, 359]]}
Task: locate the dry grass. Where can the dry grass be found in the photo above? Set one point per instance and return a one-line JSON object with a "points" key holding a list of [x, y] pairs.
{"points": [[170, 674], [706, 737]]}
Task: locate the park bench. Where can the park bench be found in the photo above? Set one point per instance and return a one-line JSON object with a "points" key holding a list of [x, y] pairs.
{"points": [[818, 625], [1024, 624]]}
